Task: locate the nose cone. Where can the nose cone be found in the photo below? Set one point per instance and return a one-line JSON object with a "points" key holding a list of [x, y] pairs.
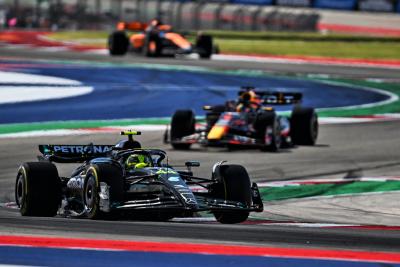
{"points": [[217, 132]]}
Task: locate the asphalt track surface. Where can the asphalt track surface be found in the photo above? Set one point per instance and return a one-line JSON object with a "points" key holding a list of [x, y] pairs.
{"points": [[148, 93], [369, 149]]}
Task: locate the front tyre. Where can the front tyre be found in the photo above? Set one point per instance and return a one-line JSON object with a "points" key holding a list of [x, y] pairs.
{"points": [[304, 126], [268, 131], [118, 43], [182, 124], [234, 186], [204, 45], [112, 176], [38, 189]]}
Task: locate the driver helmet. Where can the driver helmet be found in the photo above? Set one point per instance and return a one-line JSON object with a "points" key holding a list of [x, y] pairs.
{"points": [[156, 22], [248, 101], [136, 161]]}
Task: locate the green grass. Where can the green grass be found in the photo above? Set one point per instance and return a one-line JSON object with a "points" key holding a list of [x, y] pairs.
{"points": [[72, 35], [306, 36], [363, 50], [91, 38], [328, 189], [271, 43]]}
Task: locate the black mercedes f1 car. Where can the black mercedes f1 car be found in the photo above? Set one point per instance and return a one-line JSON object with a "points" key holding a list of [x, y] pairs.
{"points": [[251, 120], [126, 179]]}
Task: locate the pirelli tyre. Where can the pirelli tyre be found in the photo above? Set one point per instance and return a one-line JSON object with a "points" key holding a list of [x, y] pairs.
{"points": [[111, 178], [204, 45], [118, 43], [233, 186], [304, 126], [182, 124], [268, 127], [38, 189]]}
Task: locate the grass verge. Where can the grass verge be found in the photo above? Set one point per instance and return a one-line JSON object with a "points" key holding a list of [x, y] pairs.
{"points": [[334, 189], [271, 43]]}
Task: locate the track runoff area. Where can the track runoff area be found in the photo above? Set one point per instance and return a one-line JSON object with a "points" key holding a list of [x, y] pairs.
{"points": [[72, 84]]}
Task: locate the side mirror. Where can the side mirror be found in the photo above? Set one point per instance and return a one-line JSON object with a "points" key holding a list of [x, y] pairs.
{"points": [[190, 164]]}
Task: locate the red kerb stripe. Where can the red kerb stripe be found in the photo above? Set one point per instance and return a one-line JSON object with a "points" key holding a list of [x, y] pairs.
{"points": [[172, 247]]}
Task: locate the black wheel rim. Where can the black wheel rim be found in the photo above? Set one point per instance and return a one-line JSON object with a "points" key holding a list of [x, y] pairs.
{"points": [[19, 190], [314, 129], [90, 194], [277, 135], [274, 136]]}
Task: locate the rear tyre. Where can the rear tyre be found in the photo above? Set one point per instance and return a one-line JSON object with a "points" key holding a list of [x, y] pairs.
{"points": [[118, 43], [235, 186], [182, 124], [204, 44], [268, 131], [38, 189], [102, 173], [304, 126]]}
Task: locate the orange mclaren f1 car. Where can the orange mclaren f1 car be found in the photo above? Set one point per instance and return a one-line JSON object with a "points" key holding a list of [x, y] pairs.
{"points": [[156, 39]]}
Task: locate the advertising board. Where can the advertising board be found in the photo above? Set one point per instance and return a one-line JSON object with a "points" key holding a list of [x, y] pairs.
{"points": [[305, 3], [376, 5], [336, 4]]}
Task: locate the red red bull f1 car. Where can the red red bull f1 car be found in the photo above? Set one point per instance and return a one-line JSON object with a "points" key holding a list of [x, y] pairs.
{"points": [[125, 179], [249, 121], [156, 39]]}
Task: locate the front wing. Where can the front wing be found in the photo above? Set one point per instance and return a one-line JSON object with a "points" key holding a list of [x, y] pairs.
{"points": [[205, 202]]}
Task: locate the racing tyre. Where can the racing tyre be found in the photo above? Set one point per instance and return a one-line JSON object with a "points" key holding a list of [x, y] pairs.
{"points": [[182, 124], [102, 173], [118, 43], [268, 131], [38, 189], [304, 126], [204, 44], [235, 186]]}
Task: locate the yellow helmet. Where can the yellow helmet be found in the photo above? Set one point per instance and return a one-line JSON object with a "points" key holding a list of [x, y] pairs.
{"points": [[136, 161]]}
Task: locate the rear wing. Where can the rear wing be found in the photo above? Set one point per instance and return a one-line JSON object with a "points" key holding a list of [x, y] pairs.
{"points": [[73, 153], [277, 98], [131, 26]]}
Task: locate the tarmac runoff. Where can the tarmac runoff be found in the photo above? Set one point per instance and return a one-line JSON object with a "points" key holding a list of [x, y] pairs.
{"points": [[61, 88]]}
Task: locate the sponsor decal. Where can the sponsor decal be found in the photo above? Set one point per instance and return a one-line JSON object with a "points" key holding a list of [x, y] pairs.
{"points": [[338, 4], [256, 2], [376, 5], [189, 199], [166, 171], [293, 2], [173, 179], [244, 139], [76, 149], [186, 194]]}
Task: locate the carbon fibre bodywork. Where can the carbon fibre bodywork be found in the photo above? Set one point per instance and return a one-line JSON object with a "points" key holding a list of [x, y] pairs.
{"points": [[102, 184], [255, 124], [156, 40]]}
